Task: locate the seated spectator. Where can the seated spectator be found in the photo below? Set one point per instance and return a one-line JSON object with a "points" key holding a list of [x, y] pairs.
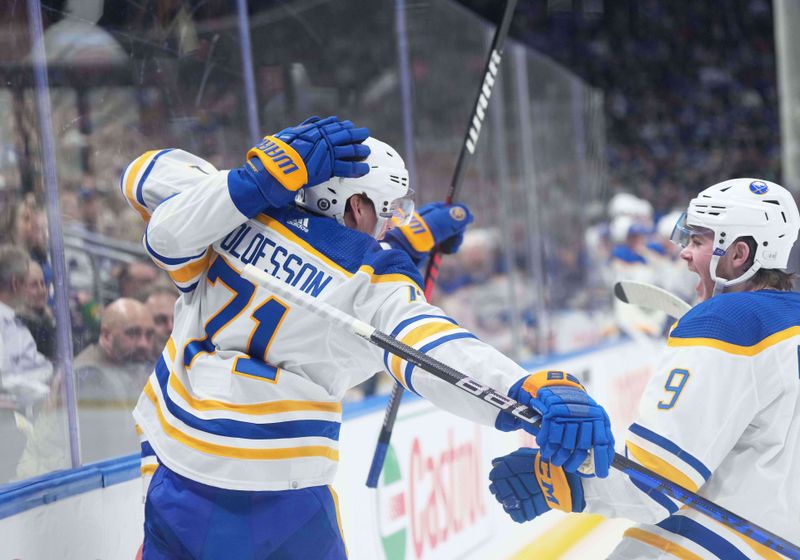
{"points": [[24, 372], [24, 224], [110, 375], [36, 314], [161, 303]]}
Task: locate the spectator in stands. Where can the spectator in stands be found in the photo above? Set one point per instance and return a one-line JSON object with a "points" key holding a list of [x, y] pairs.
{"points": [[25, 225], [24, 372], [110, 376], [136, 277], [36, 314], [126, 336], [161, 304]]}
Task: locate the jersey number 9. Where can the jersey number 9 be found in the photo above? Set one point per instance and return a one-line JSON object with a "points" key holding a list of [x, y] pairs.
{"points": [[675, 383]]}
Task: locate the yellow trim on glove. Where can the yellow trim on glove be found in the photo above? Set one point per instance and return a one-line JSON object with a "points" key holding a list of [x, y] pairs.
{"points": [[553, 482], [540, 379], [418, 234], [281, 161]]}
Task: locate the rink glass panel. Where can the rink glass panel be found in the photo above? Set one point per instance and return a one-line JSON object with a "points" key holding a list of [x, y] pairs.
{"points": [[127, 77]]}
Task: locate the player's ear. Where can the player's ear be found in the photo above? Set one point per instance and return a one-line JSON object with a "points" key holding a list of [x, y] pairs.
{"points": [[740, 253]]}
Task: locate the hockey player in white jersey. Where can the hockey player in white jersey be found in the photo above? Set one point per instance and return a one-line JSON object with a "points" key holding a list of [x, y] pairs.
{"points": [[721, 415], [240, 419]]}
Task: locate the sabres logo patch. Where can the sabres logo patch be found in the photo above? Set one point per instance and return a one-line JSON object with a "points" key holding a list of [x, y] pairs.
{"points": [[458, 213], [759, 187]]}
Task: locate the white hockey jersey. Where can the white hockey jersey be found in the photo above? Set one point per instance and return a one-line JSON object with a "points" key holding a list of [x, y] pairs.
{"points": [[721, 417], [247, 394]]}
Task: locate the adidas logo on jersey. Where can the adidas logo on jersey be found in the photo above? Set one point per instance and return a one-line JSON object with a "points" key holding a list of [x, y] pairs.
{"points": [[299, 223]]}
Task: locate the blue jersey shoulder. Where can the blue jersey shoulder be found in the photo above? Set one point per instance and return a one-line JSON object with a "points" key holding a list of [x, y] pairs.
{"points": [[626, 254], [344, 246], [392, 261], [741, 318]]}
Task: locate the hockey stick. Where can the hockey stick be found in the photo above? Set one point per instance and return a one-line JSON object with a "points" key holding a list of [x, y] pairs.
{"points": [[651, 297], [432, 270], [510, 406]]}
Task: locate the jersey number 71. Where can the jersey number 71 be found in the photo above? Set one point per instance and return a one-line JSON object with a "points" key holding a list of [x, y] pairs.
{"points": [[267, 318]]}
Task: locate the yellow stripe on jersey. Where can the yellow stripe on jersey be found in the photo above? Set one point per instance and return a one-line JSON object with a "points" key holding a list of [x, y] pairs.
{"points": [[415, 336], [130, 184], [376, 278], [660, 466], [137, 429], [237, 452], [272, 407], [148, 470], [188, 272], [338, 515], [274, 224], [661, 543], [171, 350], [771, 340]]}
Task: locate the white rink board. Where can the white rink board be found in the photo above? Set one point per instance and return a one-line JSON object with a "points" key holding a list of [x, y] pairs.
{"points": [[432, 501]]}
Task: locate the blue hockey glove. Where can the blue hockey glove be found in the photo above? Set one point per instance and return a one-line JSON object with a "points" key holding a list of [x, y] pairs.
{"points": [[572, 422], [528, 486], [436, 225], [296, 157]]}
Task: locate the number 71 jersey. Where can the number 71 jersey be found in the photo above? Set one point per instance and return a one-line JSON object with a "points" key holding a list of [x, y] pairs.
{"points": [[247, 393]]}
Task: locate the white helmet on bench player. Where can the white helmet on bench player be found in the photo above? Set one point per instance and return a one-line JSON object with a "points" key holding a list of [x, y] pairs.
{"points": [[739, 208], [386, 185]]}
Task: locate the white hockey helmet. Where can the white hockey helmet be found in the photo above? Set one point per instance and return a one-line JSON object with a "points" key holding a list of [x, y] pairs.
{"points": [[386, 185], [738, 208]]}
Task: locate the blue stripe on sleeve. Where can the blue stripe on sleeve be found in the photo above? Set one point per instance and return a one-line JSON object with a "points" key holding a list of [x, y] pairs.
{"points": [[658, 497], [147, 450], [666, 444], [169, 260], [246, 430], [139, 195], [403, 324], [430, 346], [188, 289], [712, 542]]}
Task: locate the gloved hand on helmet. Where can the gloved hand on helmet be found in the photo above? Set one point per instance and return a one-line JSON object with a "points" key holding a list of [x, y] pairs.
{"points": [[297, 157]]}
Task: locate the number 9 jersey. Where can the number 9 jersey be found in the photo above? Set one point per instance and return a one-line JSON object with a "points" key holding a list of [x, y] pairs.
{"points": [[720, 417], [247, 393]]}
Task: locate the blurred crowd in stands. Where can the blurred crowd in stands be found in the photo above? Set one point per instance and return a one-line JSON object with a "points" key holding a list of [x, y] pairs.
{"points": [[690, 98], [690, 87]]}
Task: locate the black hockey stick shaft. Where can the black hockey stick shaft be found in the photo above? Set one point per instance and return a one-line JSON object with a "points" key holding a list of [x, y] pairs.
{"points": [[432, 269]]}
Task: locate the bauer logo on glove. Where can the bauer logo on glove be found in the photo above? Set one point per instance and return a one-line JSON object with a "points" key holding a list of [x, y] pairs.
{"points": [[573, 426]]}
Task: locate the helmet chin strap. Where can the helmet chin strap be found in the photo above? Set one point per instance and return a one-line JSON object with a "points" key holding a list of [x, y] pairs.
{"points": [[721, 284]]}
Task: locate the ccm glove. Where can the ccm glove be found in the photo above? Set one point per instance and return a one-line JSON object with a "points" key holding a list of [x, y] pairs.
{"points": [[296, 157], [528, 486], [435, 225], [573, 424]]}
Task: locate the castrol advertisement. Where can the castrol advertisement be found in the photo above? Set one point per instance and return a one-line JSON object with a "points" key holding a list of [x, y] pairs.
{"points": [[432, 499]]}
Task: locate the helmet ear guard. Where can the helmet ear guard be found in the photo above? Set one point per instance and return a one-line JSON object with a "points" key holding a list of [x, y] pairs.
{"points": [[740, 208], [386, 186]]}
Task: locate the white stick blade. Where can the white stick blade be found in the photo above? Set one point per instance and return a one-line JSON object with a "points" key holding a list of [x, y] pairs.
{"points": [[651, 297]]}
